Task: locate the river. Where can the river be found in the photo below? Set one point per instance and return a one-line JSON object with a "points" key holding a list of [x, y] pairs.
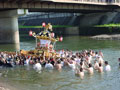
{"points": [[25, 78]]}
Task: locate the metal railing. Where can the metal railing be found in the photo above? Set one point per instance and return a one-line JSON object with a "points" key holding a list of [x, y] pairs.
{"points": [[101, 1], [90, 1]]}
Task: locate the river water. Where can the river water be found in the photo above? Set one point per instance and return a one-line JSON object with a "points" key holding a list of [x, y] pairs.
{"points": [[25, 78]]}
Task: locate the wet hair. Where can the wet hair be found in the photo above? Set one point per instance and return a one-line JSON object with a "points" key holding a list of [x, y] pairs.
{"points": [[119, 59], [81, 63], [51, 58], [61, 59], [72, 58], [88, 53], [43, 64], [96, 52], [106, 62], [90, 65], [36, 61], [82, 60], [48, 61], [58, 61], [100, 64], [81, 69], [52, 62], [68, 56]]}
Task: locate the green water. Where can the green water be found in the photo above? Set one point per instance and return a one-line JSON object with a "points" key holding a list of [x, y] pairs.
{"points": [[25, 78]]}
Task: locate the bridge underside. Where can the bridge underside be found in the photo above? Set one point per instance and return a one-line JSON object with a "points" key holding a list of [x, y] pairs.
{"points": [[40, 6], [63, 10], [69, 11]]}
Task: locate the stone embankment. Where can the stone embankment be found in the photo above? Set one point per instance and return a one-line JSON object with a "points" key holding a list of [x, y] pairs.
{"points": [[107, 37]]}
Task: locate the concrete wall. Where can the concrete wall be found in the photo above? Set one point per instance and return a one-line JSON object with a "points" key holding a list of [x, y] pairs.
{"points": [[87, 23], [89, 20]]}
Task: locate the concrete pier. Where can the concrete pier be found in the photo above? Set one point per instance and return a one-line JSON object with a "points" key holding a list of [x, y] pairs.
{"points": [[9, 27], [9, 32]]}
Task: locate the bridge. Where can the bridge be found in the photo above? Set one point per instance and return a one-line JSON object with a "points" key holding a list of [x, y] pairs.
{"points": [[11, 9], [61, 5]]}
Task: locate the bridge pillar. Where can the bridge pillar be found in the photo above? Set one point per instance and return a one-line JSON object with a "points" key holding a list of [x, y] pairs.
{"points": [[9, 32]]}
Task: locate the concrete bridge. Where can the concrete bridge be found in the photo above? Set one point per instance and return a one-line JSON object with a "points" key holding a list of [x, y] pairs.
{"points": [[61, 5], [9, 12]]}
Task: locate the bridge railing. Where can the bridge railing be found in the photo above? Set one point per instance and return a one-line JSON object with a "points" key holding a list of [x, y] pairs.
{"points": [[92, 1]]}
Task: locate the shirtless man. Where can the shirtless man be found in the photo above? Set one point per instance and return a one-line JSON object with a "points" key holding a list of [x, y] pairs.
{"points": [[80, 73], [90, 69], [96, 65], [71, 64], [58, 66], [100, 60], [100, 68], [81, 65]]}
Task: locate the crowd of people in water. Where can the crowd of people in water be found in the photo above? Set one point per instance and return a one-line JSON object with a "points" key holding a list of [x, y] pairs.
{"points": [[86, 61]]}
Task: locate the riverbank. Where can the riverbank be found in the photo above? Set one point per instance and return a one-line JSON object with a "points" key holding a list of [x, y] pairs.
{"points": [[107, 37], [5, 86]]}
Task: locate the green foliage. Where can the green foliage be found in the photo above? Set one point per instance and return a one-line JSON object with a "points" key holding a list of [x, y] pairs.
{"points": [[54, 26], [109, 25]]}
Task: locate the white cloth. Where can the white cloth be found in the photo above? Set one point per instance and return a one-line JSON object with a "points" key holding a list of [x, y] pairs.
{"points": [[77, 60], [63, 55], [44, 42], [62, 63], [27, 62], [72, 66], [49, 66], [37, 67], [61, 52], [107, 68], [90, 57]]}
